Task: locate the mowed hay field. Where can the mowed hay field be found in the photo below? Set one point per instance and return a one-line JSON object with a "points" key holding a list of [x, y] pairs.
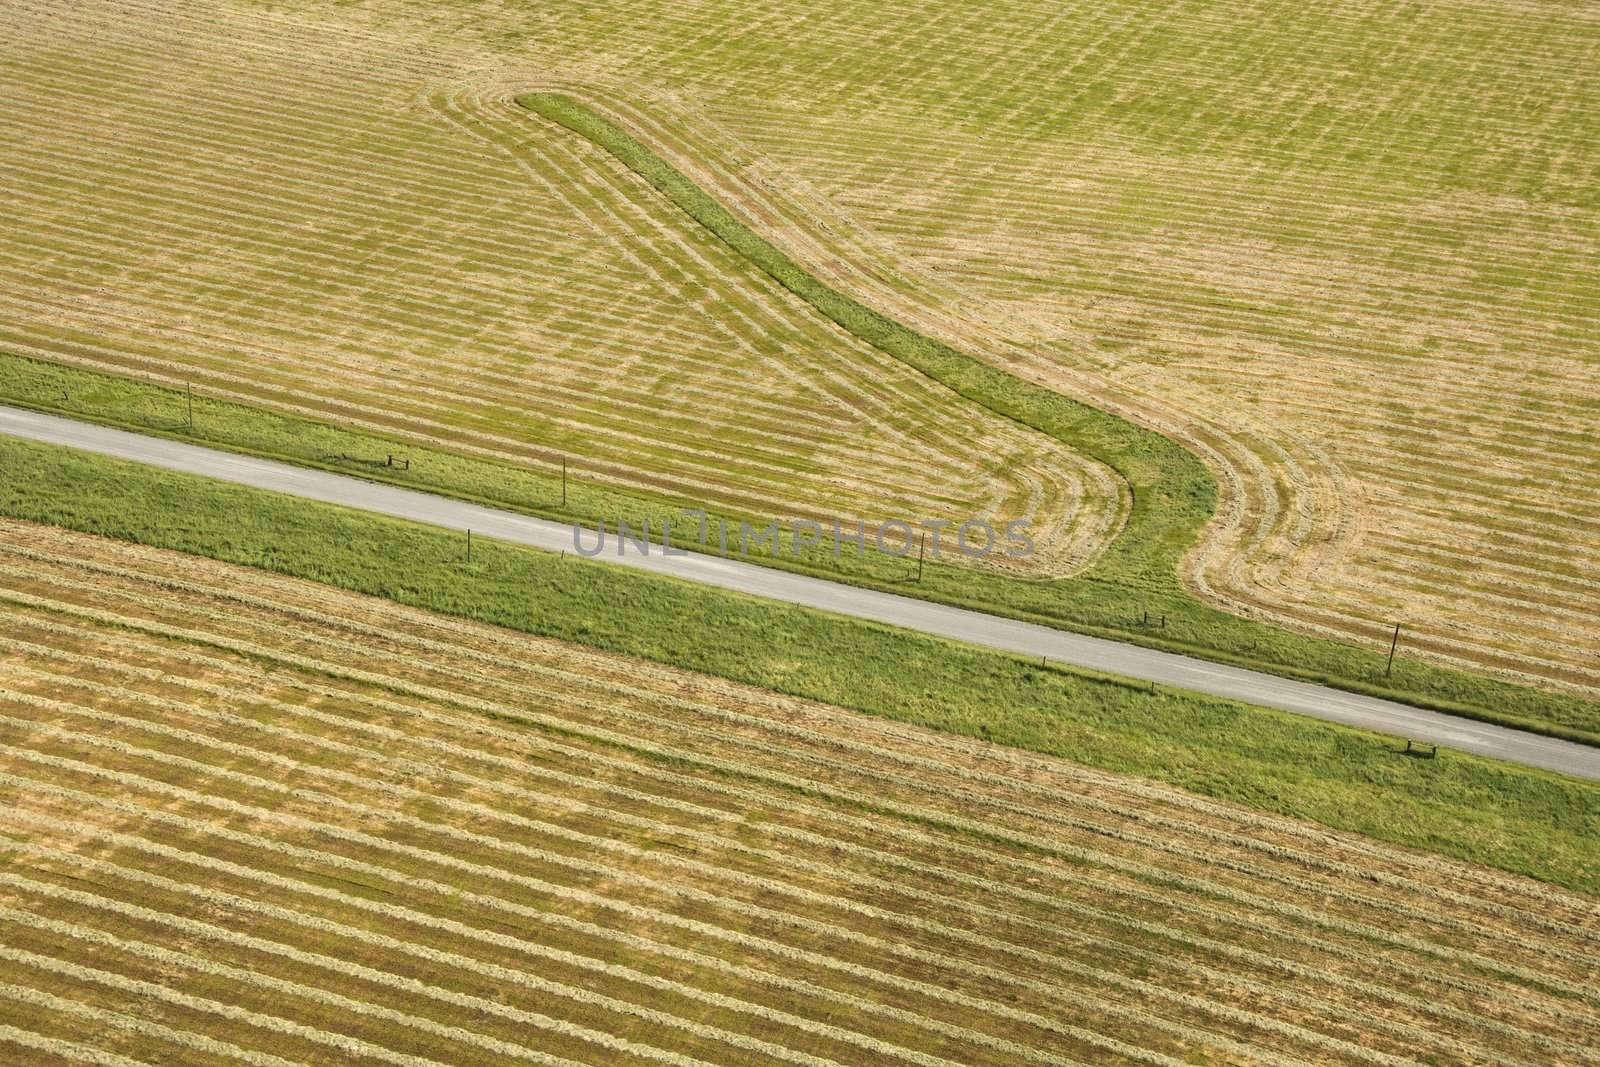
{"points": [[364, 233], [250, 818], [1347, 253]]}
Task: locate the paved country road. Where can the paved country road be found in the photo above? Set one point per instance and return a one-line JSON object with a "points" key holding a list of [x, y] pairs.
{"points": [[1010, 635]]}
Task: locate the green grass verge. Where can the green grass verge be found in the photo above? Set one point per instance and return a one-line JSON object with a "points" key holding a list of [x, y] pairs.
{"points": [[1095, 603], [1482, 810]]}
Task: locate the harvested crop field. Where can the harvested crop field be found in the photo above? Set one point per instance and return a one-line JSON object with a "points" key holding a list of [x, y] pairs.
{"points": [[365, 233], [246, 817]]}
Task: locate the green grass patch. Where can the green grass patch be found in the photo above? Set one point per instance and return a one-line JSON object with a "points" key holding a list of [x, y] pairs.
{"points": [[1518, 819]]}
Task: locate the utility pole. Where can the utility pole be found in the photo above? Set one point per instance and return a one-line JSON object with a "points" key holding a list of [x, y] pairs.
{"points": [[1393, 644], [469, 546], [188, 393], [922, 553], [563, 481]]}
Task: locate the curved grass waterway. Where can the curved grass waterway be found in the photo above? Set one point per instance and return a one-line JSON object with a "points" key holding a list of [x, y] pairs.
{"points": [[1173, 493]]}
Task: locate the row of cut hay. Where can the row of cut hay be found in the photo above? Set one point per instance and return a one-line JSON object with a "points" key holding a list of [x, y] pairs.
{"points": [[992, 919], [848, 926], [778, 979], [718, 930], [126, 780], [402, 653]]}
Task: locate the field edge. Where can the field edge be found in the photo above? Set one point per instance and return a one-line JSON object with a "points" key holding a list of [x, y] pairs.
{"points": [[1540, 825]]}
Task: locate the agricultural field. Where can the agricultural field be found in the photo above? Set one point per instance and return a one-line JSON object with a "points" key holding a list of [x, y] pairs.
{"points": [[1345, 256], [365, 235], [249, 818]]}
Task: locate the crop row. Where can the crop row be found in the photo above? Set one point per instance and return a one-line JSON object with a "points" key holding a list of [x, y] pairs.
{"points": [[508, 675]]}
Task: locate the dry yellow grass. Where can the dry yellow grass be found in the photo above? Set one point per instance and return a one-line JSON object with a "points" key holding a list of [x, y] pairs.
{"points": [[249, 817]]}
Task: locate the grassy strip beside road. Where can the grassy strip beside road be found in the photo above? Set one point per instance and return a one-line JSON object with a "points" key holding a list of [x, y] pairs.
{"points": [[1096, 603], [1518, 819]]}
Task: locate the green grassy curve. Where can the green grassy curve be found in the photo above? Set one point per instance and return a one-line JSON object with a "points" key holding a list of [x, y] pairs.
{"points": [[1174, 495]]}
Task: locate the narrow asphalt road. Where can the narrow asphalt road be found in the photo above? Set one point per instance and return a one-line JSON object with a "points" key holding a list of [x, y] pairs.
{"points": [[1252, 687]]}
